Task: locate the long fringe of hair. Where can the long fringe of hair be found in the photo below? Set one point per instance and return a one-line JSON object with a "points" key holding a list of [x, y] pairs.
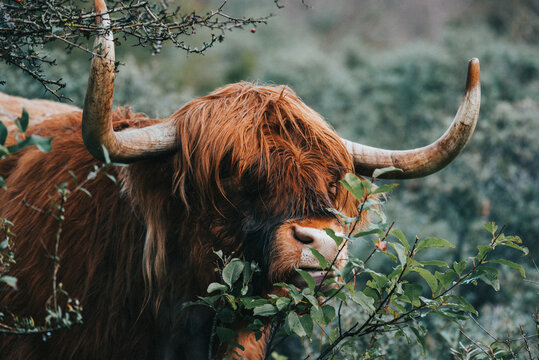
{"points": [[240, 129]]}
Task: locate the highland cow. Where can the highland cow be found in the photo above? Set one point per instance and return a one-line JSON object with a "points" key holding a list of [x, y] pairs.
{"points": [[247, 169]]}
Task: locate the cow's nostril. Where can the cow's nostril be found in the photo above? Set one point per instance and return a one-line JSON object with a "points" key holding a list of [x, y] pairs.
{"points": [[302, 236]]}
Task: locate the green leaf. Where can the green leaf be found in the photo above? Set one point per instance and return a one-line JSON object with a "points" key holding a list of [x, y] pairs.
{"points": [[438, 263], [413, 292], [524, 250], [379, 172], [329, 313], [420, 338], [311, 298], [84, 190], [487, 274], [491, 227], [385, 188], [10, 281], [43, 144], [401, 253], [317, 315], [308, 278], [347, 272], [3, 133], [219, 253], [459, 267], [265, 310], [22, 121], [3, 150], [366, 302], [282, 303], [344, 218], [380, 280], [294, 294], [370, 292], [321, 259], [276, 356], [433, 242], [483, 251], [106, 155], [216, 287], [451, 314], [73, 176], [4, 244], [370, 232], [335, 293], [232, 271], [307, 324], [400, 236], [111, 177], [509, 238], [225, 334], [3, 183], [353, 184], [429, 278], [368, 187], [294, 324], [338, 239], [490, 276], [431, 302], [464, 304], [232, 300], [246, 274], [251, 303], [446, 278], [510, 264]]}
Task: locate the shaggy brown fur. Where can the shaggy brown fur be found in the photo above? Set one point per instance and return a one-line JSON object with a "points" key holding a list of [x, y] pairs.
{"points": [[251, 158]]}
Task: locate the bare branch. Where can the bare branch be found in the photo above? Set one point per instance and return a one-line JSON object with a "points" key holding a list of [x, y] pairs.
{"points": [[27, 26]]}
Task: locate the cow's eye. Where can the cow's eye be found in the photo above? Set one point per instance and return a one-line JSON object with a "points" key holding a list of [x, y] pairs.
{"points": [[332, 189]]}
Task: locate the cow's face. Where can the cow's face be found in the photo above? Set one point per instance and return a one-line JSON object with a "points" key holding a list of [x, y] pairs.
{"points": [[278, 210]]}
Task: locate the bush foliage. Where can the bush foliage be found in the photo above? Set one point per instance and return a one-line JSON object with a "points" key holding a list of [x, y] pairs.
{"points": [[360, 300]]}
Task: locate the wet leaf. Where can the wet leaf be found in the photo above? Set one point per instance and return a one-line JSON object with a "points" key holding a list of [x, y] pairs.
{"points": [[510, 264], [22, 121], [433, 242], [265, 310], [232, 271], [216, 287], [379, 172]]}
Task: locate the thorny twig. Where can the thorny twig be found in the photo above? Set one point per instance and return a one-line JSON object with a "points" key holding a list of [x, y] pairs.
{"points": [[27, 26], [59, 206]]}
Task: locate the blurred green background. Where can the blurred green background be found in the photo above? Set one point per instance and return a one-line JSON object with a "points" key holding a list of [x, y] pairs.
{"points": [[387, 73]]}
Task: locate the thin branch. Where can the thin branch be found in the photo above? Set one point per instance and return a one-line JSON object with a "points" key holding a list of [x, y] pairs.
{"points": [[484, 330], [475, 343]]}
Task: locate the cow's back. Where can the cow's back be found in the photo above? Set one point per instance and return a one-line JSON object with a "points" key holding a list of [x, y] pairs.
{"points": [[11, 108]]}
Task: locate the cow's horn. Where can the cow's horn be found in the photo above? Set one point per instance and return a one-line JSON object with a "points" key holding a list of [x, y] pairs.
{"points": [[124, 146], [429, 159]]}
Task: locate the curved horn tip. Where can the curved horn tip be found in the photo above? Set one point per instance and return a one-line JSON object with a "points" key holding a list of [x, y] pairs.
{"points": [[474, 76], [100, 6]]}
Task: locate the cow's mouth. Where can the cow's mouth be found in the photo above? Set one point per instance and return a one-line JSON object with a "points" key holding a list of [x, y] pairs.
{"points": [[319, 276]]}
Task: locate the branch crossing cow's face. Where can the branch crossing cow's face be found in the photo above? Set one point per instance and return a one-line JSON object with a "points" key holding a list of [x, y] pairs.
{"points": [[292, 249]]}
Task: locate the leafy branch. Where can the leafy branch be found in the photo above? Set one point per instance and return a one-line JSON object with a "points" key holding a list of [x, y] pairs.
{"points": [[390, 302], [56, 318]]}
